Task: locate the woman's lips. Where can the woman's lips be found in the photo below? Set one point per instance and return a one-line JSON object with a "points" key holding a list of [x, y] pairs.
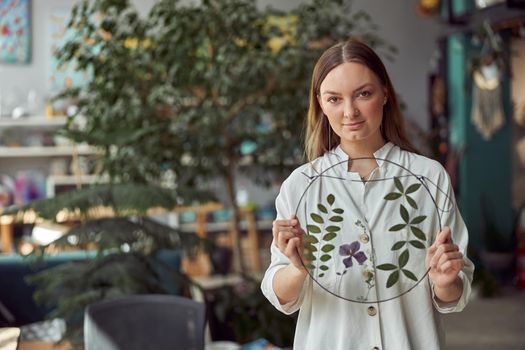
{"points": [[353, 126]]}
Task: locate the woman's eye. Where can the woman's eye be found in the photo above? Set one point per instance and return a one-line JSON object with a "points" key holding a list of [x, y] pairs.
{"points": [[365, 93], [332, 99]]}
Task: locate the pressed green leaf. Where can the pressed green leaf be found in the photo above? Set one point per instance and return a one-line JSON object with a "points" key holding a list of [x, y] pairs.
{"points": [[392, 196], [404, 213], [413, 188], [325, 257], [412, 202], [330, 199], [397, 227], [310, 266], [403, 259], [386, 267], [329, 236], [322, 208], [327, 248], [310, 239], [338, 211], [399, 185], [392, 279], [417, 244], [313, 229], [409, 275], [317, 218], [323, 267], [321, 274], [333, 228], [309, 257], [399, 245], [336, 218], [418, 220], [418, 233], [310, 247]]}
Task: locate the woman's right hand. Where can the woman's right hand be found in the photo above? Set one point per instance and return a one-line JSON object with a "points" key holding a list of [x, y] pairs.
{"points": [[288, 236]]}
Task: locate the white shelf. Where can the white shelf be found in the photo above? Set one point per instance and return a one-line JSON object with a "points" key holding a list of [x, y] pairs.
{"points": [[41, 151], [32, 122]]}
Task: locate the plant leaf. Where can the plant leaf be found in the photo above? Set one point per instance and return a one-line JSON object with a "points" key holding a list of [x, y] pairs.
{"points": [[329, 236], [399, 185], [397, 227], [404, 213], [309, 257], [418, 220], [418, 233], [392, 196], [310, 247], [338, 211], [336, 218], [310, 239], [412, 202], [399, 245], [325, 257], [322, 208], [413, 188], [392, 279], [313, 229], [323, 267], [310, 266], [330, 199], [328, 248], [333, 228], [321, 274], [403, 259], [417, 244], [409, 275], [317, 218], [386, 267]]}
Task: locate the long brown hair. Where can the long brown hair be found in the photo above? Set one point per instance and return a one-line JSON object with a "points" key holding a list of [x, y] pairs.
{"points": [[320, 137]]}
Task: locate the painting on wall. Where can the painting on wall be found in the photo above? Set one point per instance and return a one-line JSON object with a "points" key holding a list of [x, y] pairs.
{"points": [[66, 75], [15, 31]]}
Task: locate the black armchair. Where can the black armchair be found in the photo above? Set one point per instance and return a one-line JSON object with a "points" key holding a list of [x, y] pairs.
{"points": [[142, 322]]}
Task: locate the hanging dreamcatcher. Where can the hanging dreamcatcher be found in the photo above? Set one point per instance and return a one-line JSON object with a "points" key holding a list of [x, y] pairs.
{"points": [[487, 104]]}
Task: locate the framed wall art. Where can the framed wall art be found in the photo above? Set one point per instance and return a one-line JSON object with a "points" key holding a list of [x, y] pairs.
{"points": [[15, 31]]}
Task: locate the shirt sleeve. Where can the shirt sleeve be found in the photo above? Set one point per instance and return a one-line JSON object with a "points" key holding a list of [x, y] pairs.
{"points": [[279, 260], [451, 217]]}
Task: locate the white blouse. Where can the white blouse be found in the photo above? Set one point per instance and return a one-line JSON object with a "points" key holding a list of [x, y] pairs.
{"points": [[368, 286]]}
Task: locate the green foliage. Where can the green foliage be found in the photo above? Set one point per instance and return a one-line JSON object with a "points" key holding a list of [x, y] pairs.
{"points": [[188, 87]]}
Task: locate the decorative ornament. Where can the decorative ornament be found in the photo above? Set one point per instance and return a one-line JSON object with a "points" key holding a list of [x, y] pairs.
{"points": [[487, 108], [339, 254]]}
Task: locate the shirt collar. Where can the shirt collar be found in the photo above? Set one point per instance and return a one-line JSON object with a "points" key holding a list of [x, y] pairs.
{"points": [[382, 153]]}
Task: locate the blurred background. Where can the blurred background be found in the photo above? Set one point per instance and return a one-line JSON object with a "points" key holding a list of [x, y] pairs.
{"points": [[143, 143]]}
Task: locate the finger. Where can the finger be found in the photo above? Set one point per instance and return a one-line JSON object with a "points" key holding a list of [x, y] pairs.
{"points": [[292, 250], [456, 264], [445, 236], [449, 256], [283, 238]]}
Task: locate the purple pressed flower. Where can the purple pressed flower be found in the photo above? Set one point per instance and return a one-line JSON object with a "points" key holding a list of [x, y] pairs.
{"points": [[352, 250]]}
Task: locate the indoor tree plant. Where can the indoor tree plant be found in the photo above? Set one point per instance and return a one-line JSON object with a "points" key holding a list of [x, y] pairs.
{"points": [[202, 90]]}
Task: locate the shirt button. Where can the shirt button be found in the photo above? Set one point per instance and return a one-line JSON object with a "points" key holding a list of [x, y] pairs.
{"points": [[364, 238], [371, 311]]}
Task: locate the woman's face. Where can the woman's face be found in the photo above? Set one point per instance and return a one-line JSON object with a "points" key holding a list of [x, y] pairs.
{"points": [[352, 97]]}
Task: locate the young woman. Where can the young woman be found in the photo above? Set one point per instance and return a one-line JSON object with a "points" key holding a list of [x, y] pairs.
{"points": [[368, 244]]}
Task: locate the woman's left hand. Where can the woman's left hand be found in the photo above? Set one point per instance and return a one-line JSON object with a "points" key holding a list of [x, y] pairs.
{"points": [[444, 259]]}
